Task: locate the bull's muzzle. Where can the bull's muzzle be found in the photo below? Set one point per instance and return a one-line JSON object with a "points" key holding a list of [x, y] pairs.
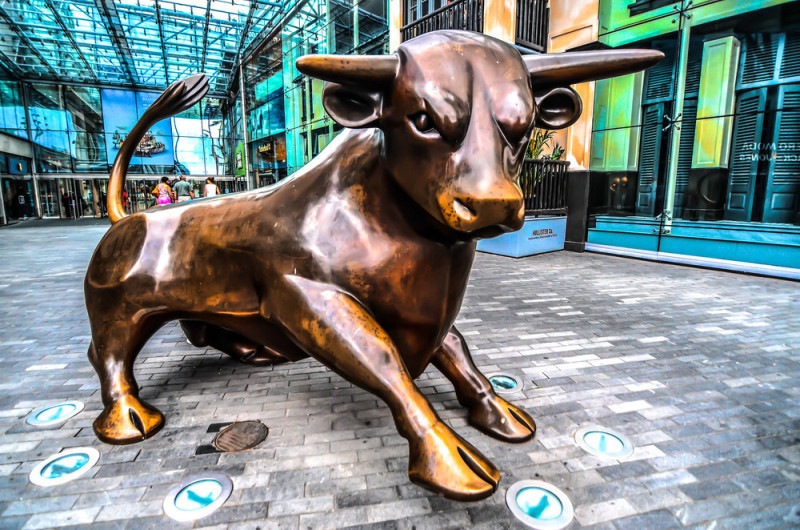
{"points": [[466, 213]]}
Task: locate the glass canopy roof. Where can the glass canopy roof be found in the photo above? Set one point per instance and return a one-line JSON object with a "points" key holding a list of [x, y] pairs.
{"points": [[137, 43]]}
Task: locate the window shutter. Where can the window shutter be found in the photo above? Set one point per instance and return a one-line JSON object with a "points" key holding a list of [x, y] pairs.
{"points": [[747, 130], [661, 77], [693, 68], [649, 155], [783, 182], [687, 124], [760, 53], [790, 64]]}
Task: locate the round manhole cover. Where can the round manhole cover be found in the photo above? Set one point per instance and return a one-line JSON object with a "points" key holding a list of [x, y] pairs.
{"points": [[241, 436]]}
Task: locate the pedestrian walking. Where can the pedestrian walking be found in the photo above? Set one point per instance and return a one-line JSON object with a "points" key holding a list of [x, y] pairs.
{"points": [[183, 190]]}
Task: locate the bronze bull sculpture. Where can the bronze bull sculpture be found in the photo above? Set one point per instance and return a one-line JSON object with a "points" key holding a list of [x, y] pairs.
{"points": [[361, 258]]}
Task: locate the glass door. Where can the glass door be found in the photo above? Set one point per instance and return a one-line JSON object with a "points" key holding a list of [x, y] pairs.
{"points": [[18, 199], [67, 198], [85, 198], [49, 198]]}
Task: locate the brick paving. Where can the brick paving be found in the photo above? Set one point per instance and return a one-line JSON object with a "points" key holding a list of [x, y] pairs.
{"points": [[700, 368]]}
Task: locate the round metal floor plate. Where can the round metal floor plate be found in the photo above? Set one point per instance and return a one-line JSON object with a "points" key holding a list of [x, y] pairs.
{"points": [[240, 436], [197, 496], [539, 505], [54, 414], [604, 442], [64, 467], [505, 384]]}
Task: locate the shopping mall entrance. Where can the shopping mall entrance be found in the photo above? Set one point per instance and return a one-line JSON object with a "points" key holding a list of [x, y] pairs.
{"points": [[17, 193], [72, 198]]}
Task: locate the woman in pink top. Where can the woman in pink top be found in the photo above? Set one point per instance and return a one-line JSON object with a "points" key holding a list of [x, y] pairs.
{"points": [[163, 192]]}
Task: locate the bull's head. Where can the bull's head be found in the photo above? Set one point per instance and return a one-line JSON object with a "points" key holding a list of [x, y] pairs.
{"points": [[457, 110]]}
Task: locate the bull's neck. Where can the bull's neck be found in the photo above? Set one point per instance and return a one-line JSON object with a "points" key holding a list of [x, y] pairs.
{"points": [[357, 162]]}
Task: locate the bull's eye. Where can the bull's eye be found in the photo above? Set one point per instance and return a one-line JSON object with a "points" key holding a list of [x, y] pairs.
{"points": [[423, 123]]}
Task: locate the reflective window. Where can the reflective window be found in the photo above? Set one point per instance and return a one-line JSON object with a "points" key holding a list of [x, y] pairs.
{"points": [[12, 109], [720, 143]]}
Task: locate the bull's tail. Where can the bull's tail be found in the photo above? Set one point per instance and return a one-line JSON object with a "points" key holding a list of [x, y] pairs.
{"points": [[178, 97]]}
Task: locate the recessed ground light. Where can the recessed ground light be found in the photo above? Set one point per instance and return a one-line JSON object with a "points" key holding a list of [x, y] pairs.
{"points": [[505, 383], [539, 505], [53, 414], [64, 466], [197, 496], [603, 442]]}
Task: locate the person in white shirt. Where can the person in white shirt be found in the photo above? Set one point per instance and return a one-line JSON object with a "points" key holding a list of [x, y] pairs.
{"points": [[211, 189]]}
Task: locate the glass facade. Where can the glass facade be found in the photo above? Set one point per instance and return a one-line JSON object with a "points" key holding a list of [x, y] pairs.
{"points": [[78, 129], [708, 138], [12, 109], [76, 89], [286, 122]]}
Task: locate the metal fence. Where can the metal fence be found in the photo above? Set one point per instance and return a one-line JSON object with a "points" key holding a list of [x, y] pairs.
{"points": [[533, 24], [544, 186], [461, 14]]}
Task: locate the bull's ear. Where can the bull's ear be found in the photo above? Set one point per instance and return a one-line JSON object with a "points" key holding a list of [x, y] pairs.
{"points": [[353, 107], [557, 108]]}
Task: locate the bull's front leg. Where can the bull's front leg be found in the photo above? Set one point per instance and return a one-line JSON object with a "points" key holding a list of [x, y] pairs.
{"points": [[334, 328], [488, 412]]}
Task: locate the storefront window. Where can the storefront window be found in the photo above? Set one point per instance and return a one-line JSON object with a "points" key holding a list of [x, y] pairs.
{"points": [[710, 134], [12, 109]]}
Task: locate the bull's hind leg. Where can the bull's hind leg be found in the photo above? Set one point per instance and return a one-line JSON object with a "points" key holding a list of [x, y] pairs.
{"points": [[115, 345], [201, 334]]}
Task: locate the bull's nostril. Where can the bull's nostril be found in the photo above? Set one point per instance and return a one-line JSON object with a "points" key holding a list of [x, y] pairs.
{"points": [[463, 211]]}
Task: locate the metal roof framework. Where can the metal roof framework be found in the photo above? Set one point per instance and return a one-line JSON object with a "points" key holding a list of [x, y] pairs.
{"points": [[131, 43]]}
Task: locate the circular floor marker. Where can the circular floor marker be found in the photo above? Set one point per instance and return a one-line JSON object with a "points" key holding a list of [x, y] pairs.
{"points": [[64, 466], [539, 505], [505, 383], [602, 442], [197, 496], [240, 436], [53, 414]]}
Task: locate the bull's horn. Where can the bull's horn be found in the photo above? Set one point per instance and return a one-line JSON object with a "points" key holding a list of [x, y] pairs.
{"points": [[562, 69], [350, 69]]}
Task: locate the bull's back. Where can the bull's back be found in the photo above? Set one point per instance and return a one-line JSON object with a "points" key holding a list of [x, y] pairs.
{"points": [[183, 258]]}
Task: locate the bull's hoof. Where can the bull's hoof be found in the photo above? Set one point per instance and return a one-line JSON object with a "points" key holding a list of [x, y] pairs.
{"points": [[500, 419], [445, 463], [128, 420]]}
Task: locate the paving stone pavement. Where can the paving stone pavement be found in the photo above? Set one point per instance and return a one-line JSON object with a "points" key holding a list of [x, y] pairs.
{"points": [[700, 368]]}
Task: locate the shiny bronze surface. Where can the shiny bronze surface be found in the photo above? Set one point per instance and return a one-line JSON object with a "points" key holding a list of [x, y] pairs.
{"points": [[361, 258]]}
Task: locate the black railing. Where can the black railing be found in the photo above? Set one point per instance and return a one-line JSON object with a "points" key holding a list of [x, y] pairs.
{"points": [[533, 24], [461, 14], [544, 186]]}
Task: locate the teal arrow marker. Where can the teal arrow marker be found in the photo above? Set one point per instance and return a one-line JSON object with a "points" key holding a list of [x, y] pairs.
{"points": [[202, 501], [58, 471], [536, 511]]}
